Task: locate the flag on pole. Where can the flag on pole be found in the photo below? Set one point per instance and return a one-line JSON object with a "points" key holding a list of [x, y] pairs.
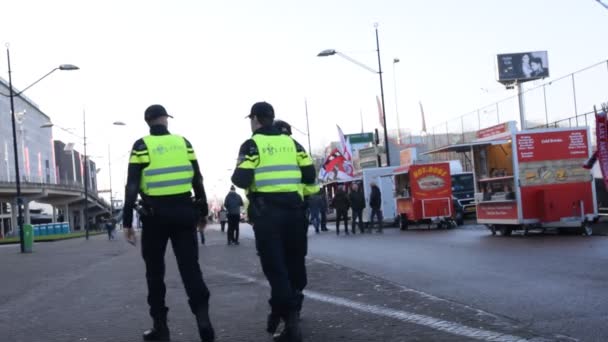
{"points": [[345, 150], [422, 113]]}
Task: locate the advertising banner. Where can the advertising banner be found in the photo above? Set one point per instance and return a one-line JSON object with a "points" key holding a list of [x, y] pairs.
{"points": [[521, 67], [552, 157], [430, 180], [557, 145], [497, 211], [601, 133]]}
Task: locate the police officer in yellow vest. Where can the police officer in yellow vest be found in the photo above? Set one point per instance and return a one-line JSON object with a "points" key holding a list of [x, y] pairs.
{"points": [[272, 166], [308, 190], [163, 170]]}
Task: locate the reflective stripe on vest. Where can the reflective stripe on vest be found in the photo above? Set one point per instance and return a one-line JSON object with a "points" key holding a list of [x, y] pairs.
{"points": [[278, 169], [170, 170]]}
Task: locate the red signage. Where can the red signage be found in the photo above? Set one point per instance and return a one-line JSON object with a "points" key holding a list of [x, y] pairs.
{"points": [[601, 133], [557, 145], [499, 129], [497, 211], [430, 180]]}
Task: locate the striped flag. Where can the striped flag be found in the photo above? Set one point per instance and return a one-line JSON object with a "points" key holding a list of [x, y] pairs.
{"points": [[423, 121]]}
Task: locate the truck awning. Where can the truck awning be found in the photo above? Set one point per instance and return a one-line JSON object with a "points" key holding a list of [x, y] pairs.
{"points": [[467, 146]]}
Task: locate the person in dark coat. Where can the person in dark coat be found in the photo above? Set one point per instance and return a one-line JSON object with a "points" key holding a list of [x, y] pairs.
{"points": [[323, 210], [233, 203], [357, 204], [314, 207], [375, 203], [341, 204]]}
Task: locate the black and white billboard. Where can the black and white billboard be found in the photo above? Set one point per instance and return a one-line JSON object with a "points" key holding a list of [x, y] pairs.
{"points": [[521, 67]]}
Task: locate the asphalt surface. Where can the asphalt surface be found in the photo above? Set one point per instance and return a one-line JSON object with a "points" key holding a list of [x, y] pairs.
{"points": [[94, 290], [549, 283]]}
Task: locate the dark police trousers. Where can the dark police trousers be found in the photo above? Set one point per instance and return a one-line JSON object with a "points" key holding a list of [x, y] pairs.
{"points": [[233, 227], [175, 222], [280, 237]]}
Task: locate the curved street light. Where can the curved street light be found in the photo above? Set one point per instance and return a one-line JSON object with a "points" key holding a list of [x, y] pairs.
{"points": [[11, 95], [331, 52]]}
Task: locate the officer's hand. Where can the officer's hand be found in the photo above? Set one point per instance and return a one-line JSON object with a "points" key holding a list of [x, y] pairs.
{"points": [[130, 235], [202, 223]]}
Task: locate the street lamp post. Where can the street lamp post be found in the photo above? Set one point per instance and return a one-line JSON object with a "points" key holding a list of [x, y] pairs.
{"points": [[331, 52], [12, 95], [116, 123], [86, 176]]}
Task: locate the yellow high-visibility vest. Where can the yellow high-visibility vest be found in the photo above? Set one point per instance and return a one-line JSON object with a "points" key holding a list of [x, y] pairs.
{"points": [[278, 169], [169, 171]]}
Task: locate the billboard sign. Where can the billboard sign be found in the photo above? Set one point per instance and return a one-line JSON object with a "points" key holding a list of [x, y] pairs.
{"points": [[523, 66]]}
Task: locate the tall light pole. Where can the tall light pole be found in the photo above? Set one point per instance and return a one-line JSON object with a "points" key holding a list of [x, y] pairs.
{"points": [[331, 52], [86, 176], [12, 95], [116, 123], [307, 127]]}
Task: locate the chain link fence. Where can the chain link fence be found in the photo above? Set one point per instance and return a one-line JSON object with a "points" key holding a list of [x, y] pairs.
{"points": [[563, 102]]}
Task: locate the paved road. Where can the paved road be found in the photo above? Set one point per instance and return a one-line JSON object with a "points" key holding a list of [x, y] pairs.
{"points": [[549, 283], [94, 290]]}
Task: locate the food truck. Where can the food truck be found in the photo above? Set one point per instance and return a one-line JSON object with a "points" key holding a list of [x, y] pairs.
{"points": [[532, 179], [423, 194]]}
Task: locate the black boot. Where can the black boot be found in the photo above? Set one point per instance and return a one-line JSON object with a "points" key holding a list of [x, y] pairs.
{"points": [[272, 323], [291, 332], [159, 332], [205, 329]]}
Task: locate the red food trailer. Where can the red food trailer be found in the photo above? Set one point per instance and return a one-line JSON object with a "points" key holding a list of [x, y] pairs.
{"points": [[423, 194], [532, 179]]}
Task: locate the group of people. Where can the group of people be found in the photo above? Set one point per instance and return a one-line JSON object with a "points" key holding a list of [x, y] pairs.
{"points": [[279, 178], [354, 200]]}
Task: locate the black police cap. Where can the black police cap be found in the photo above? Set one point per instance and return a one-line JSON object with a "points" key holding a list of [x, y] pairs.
{"points": [[155, 111]]}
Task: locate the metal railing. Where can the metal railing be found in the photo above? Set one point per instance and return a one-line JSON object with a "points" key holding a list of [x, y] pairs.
{"points": [[68, 187]]}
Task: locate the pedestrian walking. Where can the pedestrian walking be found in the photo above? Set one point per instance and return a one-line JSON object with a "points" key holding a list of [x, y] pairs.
{"points": [[163, 170], [323, 210], [201, 232], [223, 217], [233, 203], [109, 225], [357, 204], [375, 203], [272, 167], [341, 204]]}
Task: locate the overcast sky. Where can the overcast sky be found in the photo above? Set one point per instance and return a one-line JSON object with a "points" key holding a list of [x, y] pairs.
{"points": [[207, 62]]}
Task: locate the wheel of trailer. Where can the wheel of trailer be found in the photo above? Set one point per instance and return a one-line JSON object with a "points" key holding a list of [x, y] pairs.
{"points": [[452, 224], [586, 229], [440, 225], [526, 230], [459, 218], [403, 219], [492, 229], [505, 231]]}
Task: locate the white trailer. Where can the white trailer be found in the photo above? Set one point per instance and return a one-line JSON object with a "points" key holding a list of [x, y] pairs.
{"points": [[375, 175]]}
